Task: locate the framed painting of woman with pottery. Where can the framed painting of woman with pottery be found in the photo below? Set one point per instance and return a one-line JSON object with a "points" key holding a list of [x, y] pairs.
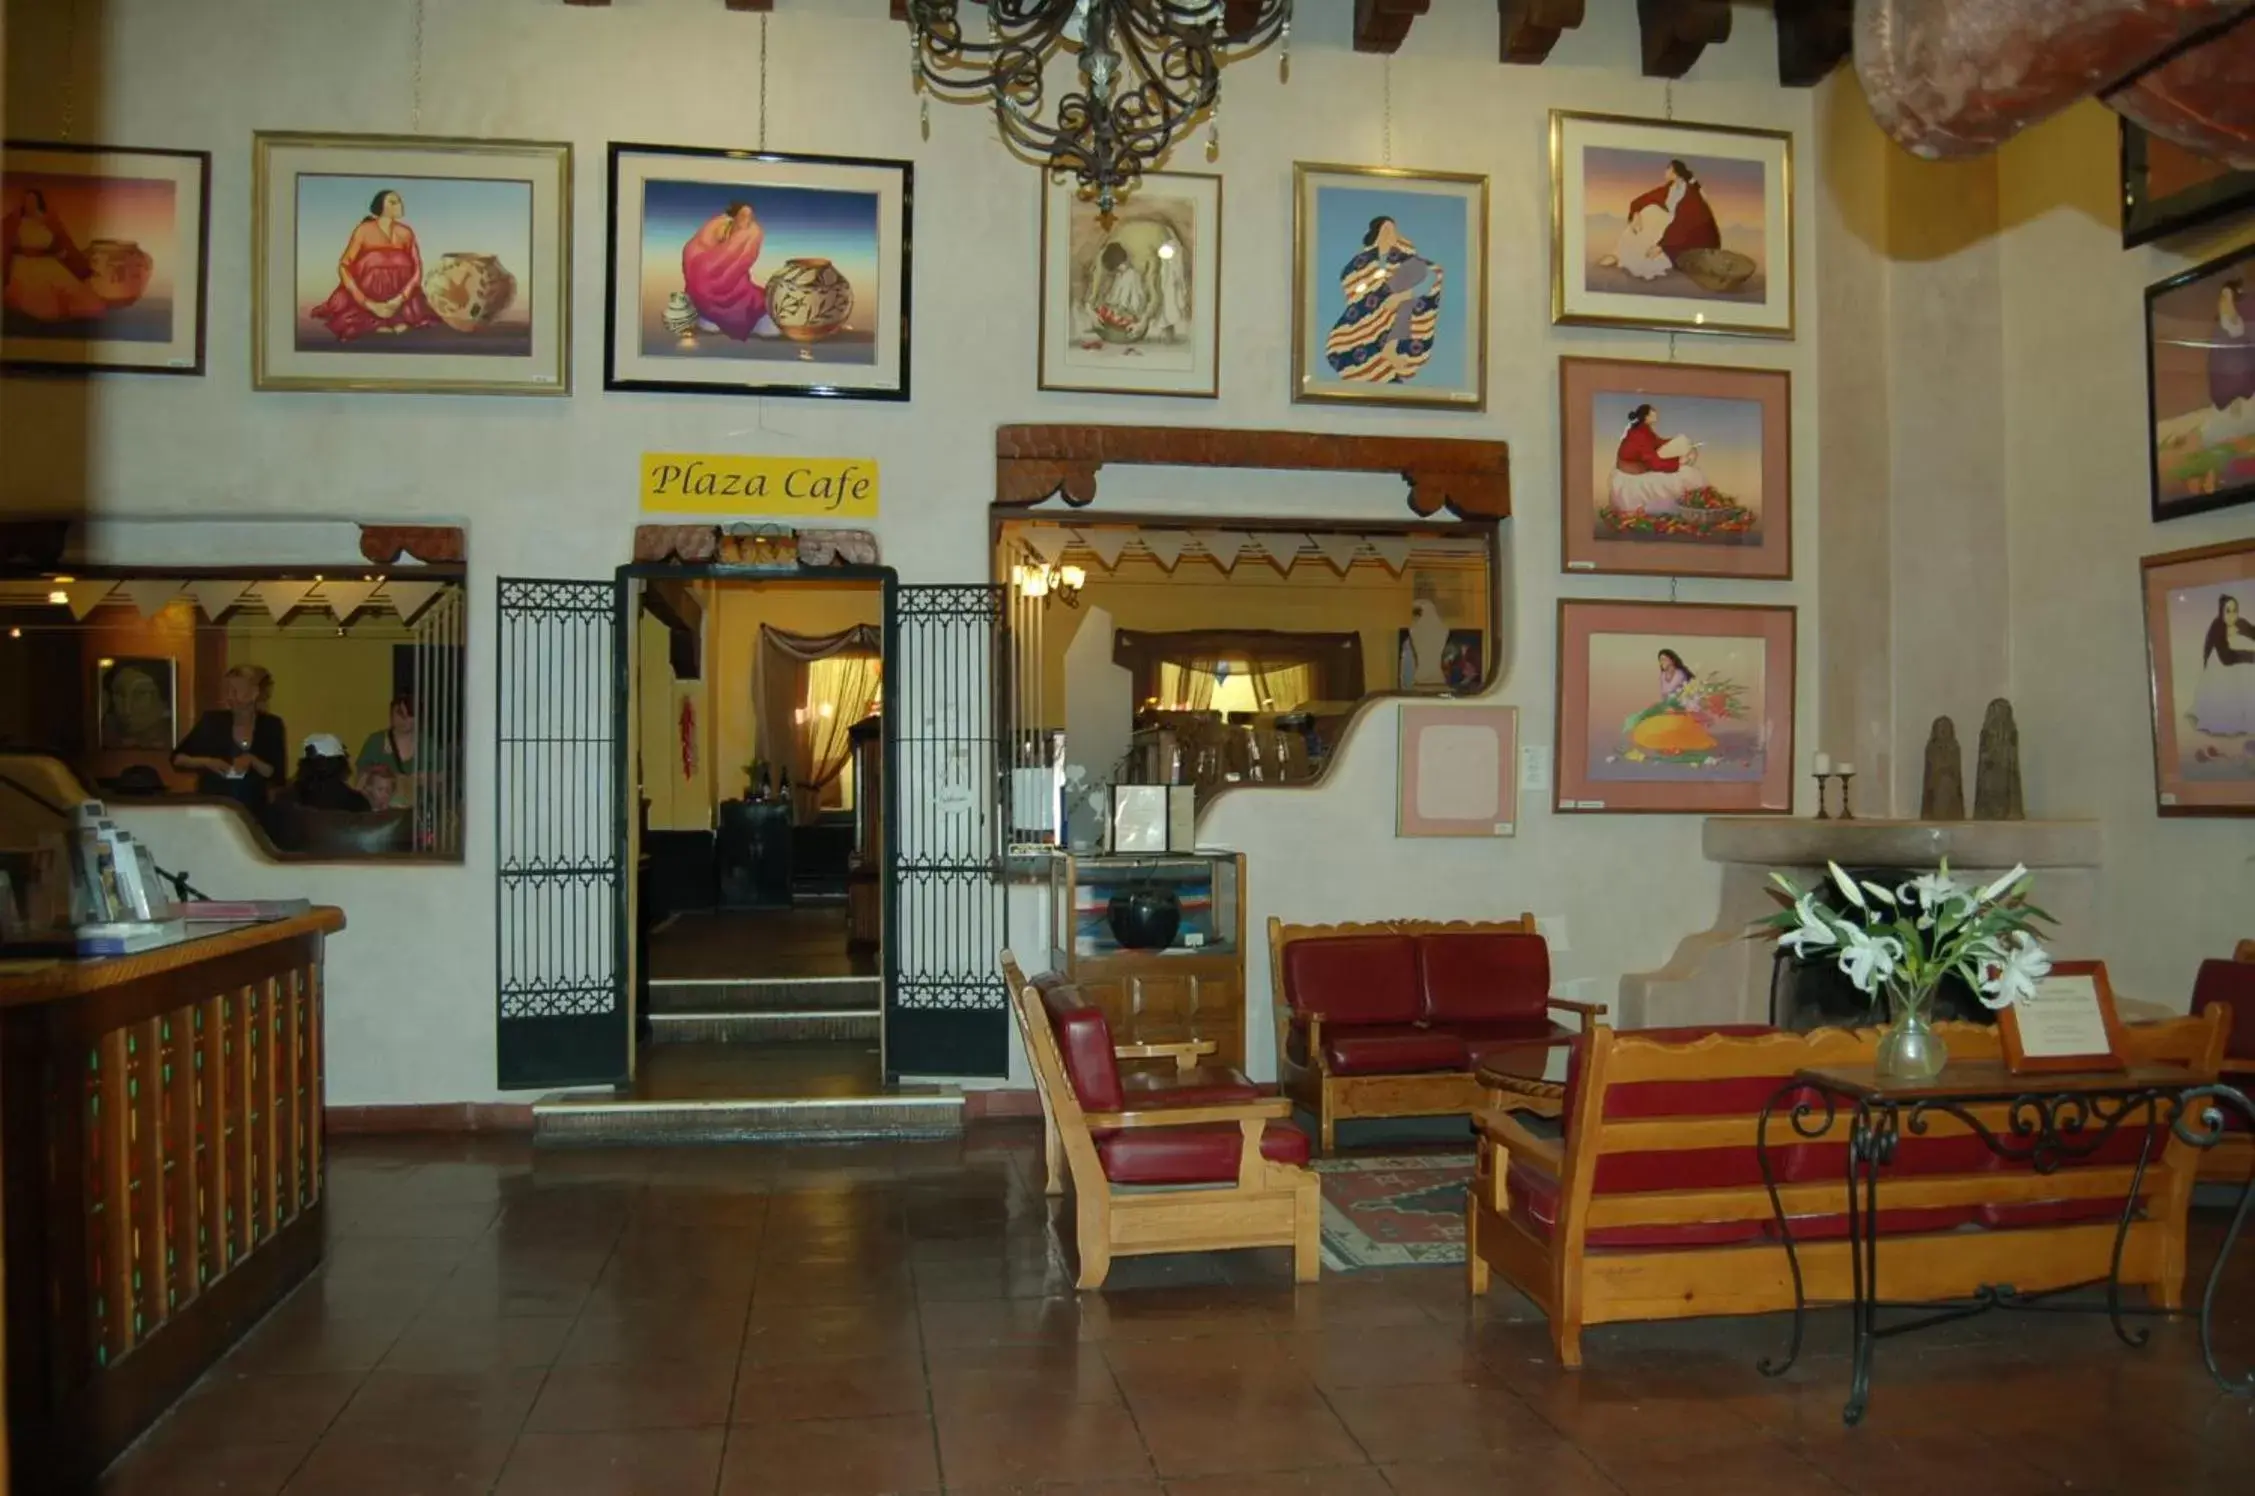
{"points": [[1671, 226], [411, 264]]}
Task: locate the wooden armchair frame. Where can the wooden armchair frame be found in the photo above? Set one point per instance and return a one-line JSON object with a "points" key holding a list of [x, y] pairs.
{"points": [[1575, 1287], [1426, 1093], [2233, 1159], [1269, 1204]]}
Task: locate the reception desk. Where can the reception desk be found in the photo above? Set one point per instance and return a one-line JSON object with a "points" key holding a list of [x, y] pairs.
{"points": [[161, 1175]]}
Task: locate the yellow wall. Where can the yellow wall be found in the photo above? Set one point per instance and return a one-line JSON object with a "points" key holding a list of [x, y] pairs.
{"points": [[734, 612], [678, 801], [1142, 595], [323, 681]]}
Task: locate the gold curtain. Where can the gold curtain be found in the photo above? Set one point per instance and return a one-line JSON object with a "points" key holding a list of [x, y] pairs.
{"points": [[839, 692], [1283, 685], [1186, 686], [779, 695]]}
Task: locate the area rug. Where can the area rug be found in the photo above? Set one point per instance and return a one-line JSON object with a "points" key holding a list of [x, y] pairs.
{"points": [[1402, 1211]]}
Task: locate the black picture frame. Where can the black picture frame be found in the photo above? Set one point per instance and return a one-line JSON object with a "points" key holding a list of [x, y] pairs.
{"points": [[897, 390], [2146, 217], [2165, 507], [15, 150]]}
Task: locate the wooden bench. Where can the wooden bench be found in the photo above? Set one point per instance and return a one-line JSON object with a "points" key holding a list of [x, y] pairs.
{"points": [[1198, 1161], [2231, 984], [1393, 1018], [1651, 1202]]}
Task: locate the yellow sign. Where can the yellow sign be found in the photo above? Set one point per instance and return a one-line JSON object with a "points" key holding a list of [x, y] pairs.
{"points": [[732, 483]]}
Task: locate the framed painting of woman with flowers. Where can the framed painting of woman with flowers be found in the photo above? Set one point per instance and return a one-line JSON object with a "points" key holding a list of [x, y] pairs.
{"points": [[1675, 707]]}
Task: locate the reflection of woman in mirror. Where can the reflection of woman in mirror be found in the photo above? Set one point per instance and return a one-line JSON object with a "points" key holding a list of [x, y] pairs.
{"points": [[1393, 297], [2225, 705], [393, 750], [1670, 728], [238, 750], [1652, 473], [43, 272], [379, 276]]}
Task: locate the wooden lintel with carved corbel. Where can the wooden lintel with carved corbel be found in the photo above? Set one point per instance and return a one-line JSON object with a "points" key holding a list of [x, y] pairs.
{"points": [[1383, 25], [1530, 28], [1677, 31], [433, 545], [1032, 464]]}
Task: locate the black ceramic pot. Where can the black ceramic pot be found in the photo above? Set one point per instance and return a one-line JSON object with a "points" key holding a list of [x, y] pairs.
{"points": [[1145, 919]]}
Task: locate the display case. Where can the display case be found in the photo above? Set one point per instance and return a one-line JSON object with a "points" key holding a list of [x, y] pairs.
{"points": [[1185, 985]]}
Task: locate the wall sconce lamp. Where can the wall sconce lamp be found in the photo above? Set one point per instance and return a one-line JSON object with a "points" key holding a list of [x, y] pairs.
{"points": [[1044, 581]]}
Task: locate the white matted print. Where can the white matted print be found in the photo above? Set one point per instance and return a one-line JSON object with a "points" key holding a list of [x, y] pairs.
{"points": [[1458, 771], [1672, 226], [411, 264], [1130, 308]]}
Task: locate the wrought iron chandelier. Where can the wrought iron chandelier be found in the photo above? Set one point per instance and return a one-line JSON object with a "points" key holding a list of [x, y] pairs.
{"points": [[1149, 71]]}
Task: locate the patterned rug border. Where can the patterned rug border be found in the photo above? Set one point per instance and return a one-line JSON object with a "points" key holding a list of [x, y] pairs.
{"points": [[1348, 1248]]}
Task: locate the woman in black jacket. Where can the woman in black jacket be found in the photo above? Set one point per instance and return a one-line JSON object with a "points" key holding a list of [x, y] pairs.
{"points": [[241, 750]]}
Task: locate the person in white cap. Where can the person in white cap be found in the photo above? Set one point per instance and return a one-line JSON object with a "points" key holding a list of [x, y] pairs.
{"points": [[324, 776]]}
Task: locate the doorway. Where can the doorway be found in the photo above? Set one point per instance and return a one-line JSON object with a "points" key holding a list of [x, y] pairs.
{"points": [[756, 756]]}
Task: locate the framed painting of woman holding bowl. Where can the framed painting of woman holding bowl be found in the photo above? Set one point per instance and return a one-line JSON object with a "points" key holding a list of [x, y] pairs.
{"points": [[411, 264]]}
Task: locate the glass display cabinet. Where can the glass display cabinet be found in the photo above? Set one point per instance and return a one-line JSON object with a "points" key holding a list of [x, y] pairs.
{"points": [[1157, 940]]}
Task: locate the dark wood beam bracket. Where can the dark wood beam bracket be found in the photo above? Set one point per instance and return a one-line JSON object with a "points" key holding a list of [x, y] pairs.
{"points": [[1677, 31], [1383, 25], [433, 545], [1033, 464], [1530, 28], [1813, 38]]}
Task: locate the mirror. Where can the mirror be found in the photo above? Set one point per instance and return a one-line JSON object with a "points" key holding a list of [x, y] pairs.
{"points": [[1235, 654]]}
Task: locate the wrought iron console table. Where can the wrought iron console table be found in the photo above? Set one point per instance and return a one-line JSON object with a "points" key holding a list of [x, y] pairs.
{"points": [[2050, 1120]]}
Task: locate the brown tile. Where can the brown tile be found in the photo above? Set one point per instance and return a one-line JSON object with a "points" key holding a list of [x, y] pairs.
{"points": [[438, 1407], [1002, 1322], [1564, 1472], [1074, 1488], [832, 1457], [1341, 1480], [448, 1343], [1429, 1422], [227, 1470], [846, 1387], [302, 1336], [633, 1395], [346, 1467], [1390, 1356], [1222, 1366], [619, 1333], [807, 1332], [999, 1378], [1211, 1437], [225, 1408], [641, 1462], [1054, 1441]]}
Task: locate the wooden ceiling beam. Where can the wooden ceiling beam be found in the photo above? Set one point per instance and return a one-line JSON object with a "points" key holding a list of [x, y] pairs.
{"points": [[1677, 31], [1530, 28], [1383, 25]]}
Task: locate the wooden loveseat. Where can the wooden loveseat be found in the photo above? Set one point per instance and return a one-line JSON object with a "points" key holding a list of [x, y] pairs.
{"points": [[2232, 984], [1196, 1160], [1391, 1018], [1650, 1203]]}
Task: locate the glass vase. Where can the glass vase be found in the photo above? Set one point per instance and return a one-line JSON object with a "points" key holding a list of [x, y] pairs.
{"points": [[1910, 1050]]}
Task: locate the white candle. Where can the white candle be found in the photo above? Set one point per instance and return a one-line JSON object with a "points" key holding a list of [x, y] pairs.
{"points": [[1847, 769], [1824, 763]]}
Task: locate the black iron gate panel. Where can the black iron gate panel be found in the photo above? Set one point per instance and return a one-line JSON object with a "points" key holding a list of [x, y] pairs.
{"points": [[946, 1010], [560, 833]]}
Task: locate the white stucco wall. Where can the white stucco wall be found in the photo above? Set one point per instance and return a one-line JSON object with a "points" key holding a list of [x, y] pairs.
{"points": [[547, 487]]}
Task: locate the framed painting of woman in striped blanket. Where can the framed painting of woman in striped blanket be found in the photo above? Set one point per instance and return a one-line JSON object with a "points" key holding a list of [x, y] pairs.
{"points": [[1390, 286]]}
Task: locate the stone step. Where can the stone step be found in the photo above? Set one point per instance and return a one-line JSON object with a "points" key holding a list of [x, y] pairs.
{"points": [[766, 995], [762, 1027], [582, 1120]]}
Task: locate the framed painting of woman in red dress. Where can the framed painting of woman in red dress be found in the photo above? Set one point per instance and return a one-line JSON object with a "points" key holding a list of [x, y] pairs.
{"points": [[1672, 226], [411, 264]]}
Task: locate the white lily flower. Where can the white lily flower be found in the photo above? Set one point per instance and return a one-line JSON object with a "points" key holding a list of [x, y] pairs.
{"points": [[1869, 961], [1933, 890], [2003, 885], [1879, 893], [2010, 972], [1814, 933], [1848, 887]]}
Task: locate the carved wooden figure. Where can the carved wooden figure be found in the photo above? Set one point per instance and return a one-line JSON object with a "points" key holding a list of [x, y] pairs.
{"points": [[1943, 797], [1996, 775]]}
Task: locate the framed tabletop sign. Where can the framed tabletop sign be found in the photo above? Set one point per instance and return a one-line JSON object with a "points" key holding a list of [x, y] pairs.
{"points": [[2067, 1023]]}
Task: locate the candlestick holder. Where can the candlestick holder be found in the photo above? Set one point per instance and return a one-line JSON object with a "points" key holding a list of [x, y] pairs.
{"points": [[1847, 806], [1824, 812]]}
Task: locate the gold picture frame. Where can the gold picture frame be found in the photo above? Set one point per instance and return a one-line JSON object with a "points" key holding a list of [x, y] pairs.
{"points": [[485, 309], [1439, 222], [1735, 172]]}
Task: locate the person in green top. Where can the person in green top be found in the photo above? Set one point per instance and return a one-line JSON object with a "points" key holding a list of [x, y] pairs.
{"points": [[393, 749]]}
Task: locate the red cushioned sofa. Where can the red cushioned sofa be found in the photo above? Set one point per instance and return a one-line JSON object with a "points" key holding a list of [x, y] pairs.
{"points": [[1194, 1160], [1649, 1202], [1391, 1019], [2232, 984]]}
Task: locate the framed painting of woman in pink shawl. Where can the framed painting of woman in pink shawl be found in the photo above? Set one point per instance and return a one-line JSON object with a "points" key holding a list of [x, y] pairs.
{"points": [[411, 264], [734, 273], [1671, 226]]}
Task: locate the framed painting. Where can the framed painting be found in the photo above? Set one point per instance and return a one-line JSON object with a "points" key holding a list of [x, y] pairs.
{"points": [[1675, 707], [105, 258], [740, 273], [411, 264], [1458, 771], [1671, 226], [1681, 470], [1389, 286], [2200, 386], [2200, 653], [138, 704], [2167, 189], [1130, 308]]}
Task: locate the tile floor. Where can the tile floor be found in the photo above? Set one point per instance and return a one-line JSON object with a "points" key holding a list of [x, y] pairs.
{"points": [[899, 1318]]}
